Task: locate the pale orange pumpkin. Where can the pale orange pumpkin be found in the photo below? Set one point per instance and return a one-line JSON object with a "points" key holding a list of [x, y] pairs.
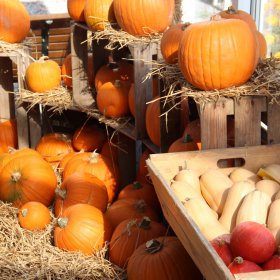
{"points": [[43, 75], [8, 135], [76, 9], [262, 44], [169, 42], [83, 228], [14, 21], [144, 17], [112, 99], [98, 14], [81, 188], [208, 53], [34, 215]]}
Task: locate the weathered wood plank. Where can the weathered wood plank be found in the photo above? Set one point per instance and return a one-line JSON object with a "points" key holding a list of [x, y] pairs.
{"points": [[273, 117]]}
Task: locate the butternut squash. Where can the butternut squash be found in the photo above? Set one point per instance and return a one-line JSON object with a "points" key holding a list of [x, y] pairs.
{"points": [[268, 186], [241, 174], [277, 195], [254, 207], [276, 234], [189, 176], [273, 218], [271, 171], [234, 199], [214, 185], [203, 216]]}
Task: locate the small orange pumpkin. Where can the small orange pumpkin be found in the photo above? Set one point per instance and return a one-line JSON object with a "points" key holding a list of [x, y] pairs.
{"points": [[34, 215], [76, 9], [182, 144], [262, 44], [112, 99], [8, 135], [82, 227], [43, 75], [142, 172]]}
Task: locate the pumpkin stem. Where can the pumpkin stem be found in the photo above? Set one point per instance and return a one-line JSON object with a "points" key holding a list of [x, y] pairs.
{"points": [[153, 246], [43, 58], [61, 193], [62, 222], [137, 185], [185, 25], [231, 10], [15, 176], [187, 139], [238, 260], [145, 223], [93, 158], [140, 206], [24, 212], [221, 242], [216, 18]]}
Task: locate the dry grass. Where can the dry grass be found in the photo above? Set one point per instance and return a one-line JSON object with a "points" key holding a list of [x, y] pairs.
{"points": [[31, 255]]}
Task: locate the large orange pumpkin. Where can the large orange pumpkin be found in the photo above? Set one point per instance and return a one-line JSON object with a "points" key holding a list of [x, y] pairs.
{"points": [[81, 188], [83, 228], [169, 42], [98, 14], [34, 215], [112, 99], [119, 70], [144, 17], [97, 165], [8, 135], [163, 258], [43, 75], [217, 54], [27, 178], [129, 235], [76, 9], [88, 138], [14, 21]]}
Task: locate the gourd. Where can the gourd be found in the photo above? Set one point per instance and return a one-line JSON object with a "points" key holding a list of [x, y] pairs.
{"points": [[14, 21], [241, 174], [206, 51], [76, 9], [234, 199], [158, 15], [43, 75], [273, 218], [270, 187], [214, 187], [34, 215], [254, 207], [204, 218], [189, 176]]}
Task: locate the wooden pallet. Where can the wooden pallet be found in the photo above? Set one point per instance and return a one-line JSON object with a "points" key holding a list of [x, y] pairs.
{"points": [[163, 167]]}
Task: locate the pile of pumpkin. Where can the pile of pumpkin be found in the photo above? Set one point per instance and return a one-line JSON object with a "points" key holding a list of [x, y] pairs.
{"points": [[89, 207], [237, 212]]}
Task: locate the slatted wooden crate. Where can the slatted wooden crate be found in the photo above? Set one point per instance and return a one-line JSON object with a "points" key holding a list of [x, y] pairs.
{"points": [[162, 169]]}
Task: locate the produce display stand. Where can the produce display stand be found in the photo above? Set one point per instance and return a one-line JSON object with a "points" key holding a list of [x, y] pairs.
{"points": [[163, 167]]}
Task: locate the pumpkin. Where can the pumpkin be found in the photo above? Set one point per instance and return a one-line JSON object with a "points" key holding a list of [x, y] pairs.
{"points": [[112, 99], [66, 70], [88, 138], [169, 42], [99, 14], [152, 261], [76, 9], [14, 21], [193, 129], [43, 75], [110, 150], [144, 17], [272, 263], [129, 235], [81, 188], [142, 172], [65, 160], [182, 144], [222, 248], [262, 44], [233, 13], [141, 190], [34, 215], [239, 265], [118, 70], [8, 135], [26, 179], [153, 120], [129, 208], [54, 146], [82, 227], [208, 53], [97, 165]]}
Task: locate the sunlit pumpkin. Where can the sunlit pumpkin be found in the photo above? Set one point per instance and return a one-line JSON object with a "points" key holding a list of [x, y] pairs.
{"points": [[76, 9], [8, 135]]}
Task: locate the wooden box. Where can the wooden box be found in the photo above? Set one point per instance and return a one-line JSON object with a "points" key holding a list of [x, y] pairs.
{"points": [[163, 168]]}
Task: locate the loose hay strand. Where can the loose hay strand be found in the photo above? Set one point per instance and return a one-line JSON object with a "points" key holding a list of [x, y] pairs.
{"points": [[31, 255]]}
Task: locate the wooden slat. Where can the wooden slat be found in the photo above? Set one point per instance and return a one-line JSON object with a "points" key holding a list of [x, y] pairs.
{"points": [[59, 38], [35, 40], [59, 31], [273, 117], [57, 54], [36, 32]]}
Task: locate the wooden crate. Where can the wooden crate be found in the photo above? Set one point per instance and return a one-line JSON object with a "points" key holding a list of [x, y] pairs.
{"points": [[163, 168], [255, 122]]}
